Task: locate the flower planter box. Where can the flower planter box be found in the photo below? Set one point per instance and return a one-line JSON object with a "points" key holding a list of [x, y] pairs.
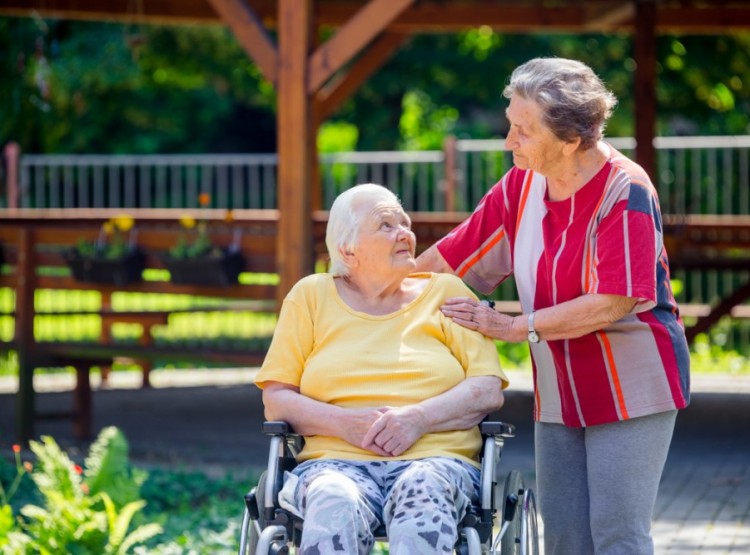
{"points": [[117, 271], [211, 269]]}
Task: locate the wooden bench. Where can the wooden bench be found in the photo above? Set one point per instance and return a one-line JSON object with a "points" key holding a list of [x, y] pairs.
{"points": [[33, 245]]}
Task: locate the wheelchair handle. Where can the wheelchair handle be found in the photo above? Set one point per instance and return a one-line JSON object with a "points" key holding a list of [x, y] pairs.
{"points": [[497, 428], [276, 428]]}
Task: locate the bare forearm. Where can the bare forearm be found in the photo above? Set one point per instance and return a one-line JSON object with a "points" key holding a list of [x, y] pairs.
{"points": [[306, 416], [464, 406], [309, 417], [459, 408], [574, 318], [432, 261]]}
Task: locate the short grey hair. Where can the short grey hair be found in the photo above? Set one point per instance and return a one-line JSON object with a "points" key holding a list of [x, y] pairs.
{"points": [[575, 102], [342, 232]]}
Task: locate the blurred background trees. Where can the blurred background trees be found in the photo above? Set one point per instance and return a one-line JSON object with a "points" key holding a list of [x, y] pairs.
{"points": [[83, 87]]}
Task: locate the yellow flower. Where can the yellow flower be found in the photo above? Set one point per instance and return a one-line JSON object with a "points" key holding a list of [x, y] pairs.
{"points": [[229, 216], [123, 222], [187, 221], [108, 228]]}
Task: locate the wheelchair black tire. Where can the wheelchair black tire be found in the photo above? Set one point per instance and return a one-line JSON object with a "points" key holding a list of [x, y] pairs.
{"points": [[252, 539], [252, 532], [511, 542]]}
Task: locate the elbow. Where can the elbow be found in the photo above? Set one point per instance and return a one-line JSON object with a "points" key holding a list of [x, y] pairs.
{"points": [[272, 407], [498, 401], [490, 395], [619, 308]]}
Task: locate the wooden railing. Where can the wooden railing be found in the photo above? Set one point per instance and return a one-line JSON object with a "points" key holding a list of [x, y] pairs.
{"points": [[34, 241]]}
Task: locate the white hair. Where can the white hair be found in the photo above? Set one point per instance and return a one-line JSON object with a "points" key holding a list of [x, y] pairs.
{"points": [[575, 102], [342, 232]]}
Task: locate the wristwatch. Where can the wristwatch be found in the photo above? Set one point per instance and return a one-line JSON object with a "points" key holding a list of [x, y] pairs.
{"points": [[533, 335]]}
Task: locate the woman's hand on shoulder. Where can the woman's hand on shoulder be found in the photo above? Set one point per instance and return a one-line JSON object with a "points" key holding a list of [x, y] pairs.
{"points": [[475, 315]]}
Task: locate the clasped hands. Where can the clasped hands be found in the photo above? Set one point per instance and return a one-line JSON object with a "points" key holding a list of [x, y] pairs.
{"points": [[386, 431]]}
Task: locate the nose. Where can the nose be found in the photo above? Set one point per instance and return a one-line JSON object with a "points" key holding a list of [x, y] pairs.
{"points": [[405, 233], [510, 139]]}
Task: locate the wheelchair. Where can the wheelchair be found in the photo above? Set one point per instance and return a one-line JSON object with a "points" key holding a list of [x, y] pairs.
{"points": [[269, 529]]}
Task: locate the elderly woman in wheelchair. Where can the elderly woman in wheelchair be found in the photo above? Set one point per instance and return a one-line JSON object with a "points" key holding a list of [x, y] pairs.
{"points": [[387, 394]]}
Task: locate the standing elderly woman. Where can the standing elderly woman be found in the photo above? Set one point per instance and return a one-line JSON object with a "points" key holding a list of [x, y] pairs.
{"points": [[386, 390], [579, 227]]}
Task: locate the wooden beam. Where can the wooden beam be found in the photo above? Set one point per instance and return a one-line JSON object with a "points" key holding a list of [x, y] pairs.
{"points": [[351, 38], [702, 20], [739, 296], [337, 91], [250, 33], [645, 86], [165, 12], [428, 16], [604, 17], [294, 122]]}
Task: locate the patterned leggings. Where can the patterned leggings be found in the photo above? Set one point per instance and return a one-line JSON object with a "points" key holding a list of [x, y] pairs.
{"points": [[420, 502]]}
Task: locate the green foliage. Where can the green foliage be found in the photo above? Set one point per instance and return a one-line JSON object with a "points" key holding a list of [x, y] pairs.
{"points": [[85, 511], [114, 242], [337, 136], [199, 514], [108, 470], [85, 87]]}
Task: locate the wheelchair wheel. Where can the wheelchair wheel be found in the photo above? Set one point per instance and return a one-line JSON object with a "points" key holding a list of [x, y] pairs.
{"points": [[529, 524], [511, 542], [250, 535]]}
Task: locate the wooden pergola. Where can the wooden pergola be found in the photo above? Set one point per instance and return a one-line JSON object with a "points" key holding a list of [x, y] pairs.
{"points": [[312, 79]]}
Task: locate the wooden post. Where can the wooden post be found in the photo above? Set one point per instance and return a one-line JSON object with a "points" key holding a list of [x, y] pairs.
{"points": [[82, 402], [450, 173], [294, 122], [24, 335], [645, 86], [12, 154]]}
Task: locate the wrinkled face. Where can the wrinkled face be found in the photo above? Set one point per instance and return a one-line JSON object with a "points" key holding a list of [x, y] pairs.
{"points": [[534, 146], [386, 242]]}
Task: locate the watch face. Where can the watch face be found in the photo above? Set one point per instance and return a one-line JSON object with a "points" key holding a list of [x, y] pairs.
{"points": [[533, 337]]}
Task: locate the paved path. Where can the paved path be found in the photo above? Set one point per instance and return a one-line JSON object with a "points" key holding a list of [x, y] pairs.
{"points": [[210, 420]]}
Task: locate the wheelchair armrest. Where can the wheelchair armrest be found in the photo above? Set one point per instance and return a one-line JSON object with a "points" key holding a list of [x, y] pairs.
{"points": [[277, 428], [495, 429]]}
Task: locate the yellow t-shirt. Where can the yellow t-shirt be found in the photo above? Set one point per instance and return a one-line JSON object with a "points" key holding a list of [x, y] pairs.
{"points": [[337, 355]]}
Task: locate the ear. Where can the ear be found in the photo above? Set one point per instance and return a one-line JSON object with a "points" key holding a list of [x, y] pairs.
{"points": [[571, 146], [349, 257]]}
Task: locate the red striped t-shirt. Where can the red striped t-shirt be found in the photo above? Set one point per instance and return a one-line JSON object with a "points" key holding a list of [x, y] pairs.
{"points": [[606, 238]]}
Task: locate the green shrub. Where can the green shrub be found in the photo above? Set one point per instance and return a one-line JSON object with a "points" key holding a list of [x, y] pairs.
{"points": [[86, 511]]}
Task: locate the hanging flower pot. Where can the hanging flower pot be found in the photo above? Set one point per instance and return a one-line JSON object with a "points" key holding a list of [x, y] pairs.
{"points": [[218, 267], [114, 258], [194, 260], [122, 270]]}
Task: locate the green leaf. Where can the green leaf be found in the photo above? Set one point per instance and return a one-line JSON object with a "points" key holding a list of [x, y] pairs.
{"points": [[119, 530], [139, 535], [6, 523], [108, 470]]}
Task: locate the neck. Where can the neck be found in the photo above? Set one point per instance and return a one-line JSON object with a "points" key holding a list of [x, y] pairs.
{"points": [[580, 168], [375, 296]]}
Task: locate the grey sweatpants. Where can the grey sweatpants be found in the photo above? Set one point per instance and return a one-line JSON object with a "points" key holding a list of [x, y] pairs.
{"points": [[421, 503], [597, 485]]}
